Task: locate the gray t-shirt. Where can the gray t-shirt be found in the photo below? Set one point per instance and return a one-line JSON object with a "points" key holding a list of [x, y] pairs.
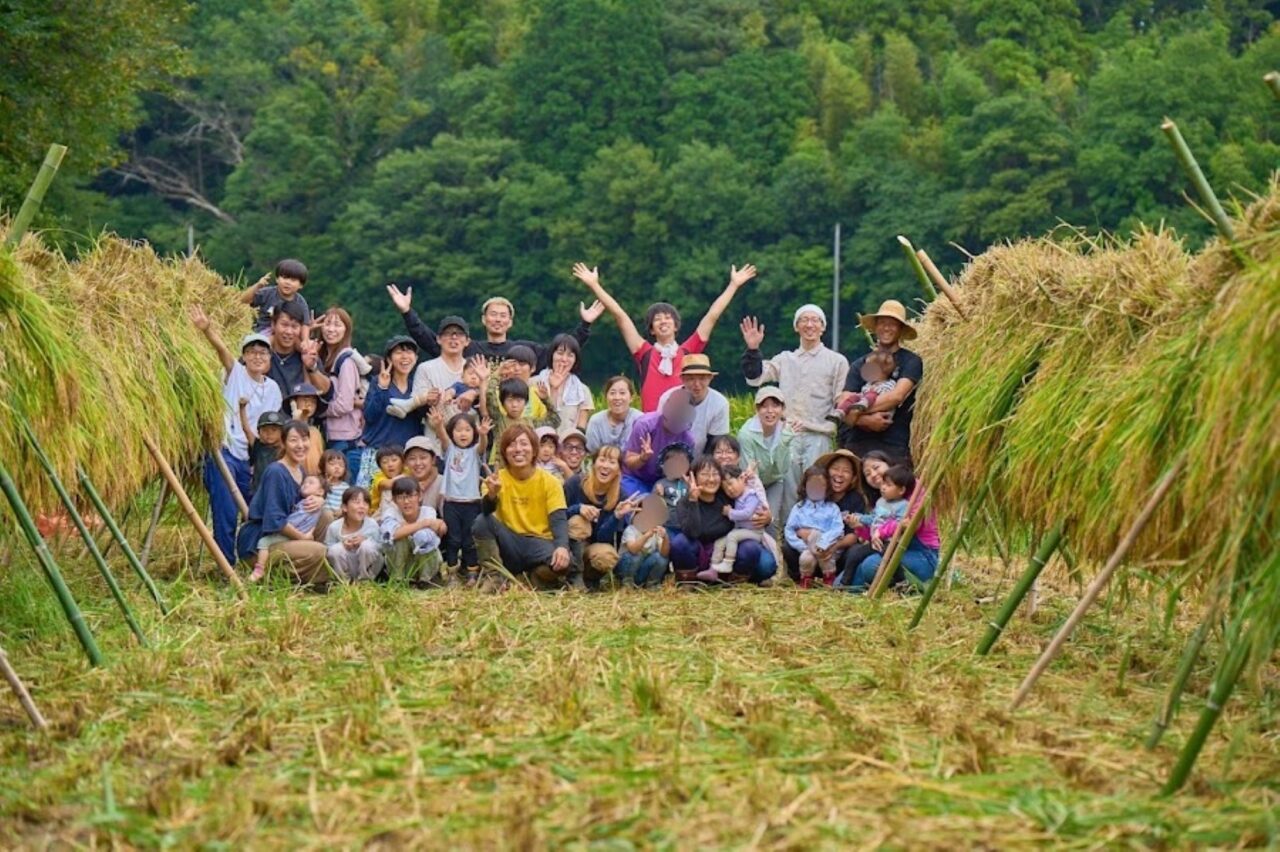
{"points": [[462, 473], [268, 301]]}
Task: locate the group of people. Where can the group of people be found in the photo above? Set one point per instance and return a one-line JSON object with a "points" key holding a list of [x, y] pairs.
{"points": [[449, 459]]}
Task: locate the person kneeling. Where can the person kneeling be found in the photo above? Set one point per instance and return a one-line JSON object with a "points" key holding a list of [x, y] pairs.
{"points": [[411, 536]]}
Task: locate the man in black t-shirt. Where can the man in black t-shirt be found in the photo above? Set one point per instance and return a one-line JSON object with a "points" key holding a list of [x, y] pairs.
{"points": [[886, 425]]}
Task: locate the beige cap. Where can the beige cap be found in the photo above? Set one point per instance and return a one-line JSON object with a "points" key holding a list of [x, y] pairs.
{"points": [[770, 392]]}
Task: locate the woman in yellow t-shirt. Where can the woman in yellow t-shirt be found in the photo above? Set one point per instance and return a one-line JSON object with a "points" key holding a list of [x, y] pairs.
{"points": [[523, 527]]}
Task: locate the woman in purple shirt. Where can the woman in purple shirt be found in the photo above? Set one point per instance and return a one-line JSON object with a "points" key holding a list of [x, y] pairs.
{"points": [[650, 435]]}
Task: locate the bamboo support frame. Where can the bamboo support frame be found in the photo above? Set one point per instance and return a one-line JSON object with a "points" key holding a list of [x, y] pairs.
{"points": [[193, 516], [117, 533], [966, 519], [24, 697], [156, 512], [1188, 662], [902, 539], [1043, 554], [940, 280], [35, 195], [241, 506], [910, 251], [45, 557], [1224, 683], [1099, 583], [94, 553], [1198, 180]]}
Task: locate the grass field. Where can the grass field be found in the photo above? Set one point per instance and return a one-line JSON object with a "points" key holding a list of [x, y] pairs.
{"points": [[772, 718]]}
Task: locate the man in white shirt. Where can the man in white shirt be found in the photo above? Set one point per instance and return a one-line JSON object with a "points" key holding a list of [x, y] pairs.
{"points": [[710, 408]]}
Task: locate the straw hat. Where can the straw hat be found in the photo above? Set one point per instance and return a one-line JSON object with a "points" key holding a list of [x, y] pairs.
{"points": [[696, 364], [893, 309], [825, 460]]}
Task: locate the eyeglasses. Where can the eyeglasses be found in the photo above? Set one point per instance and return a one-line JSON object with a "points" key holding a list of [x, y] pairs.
{"points": [[575, 449]]}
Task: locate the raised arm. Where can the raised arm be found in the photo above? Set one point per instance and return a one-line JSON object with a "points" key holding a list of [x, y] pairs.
{"points": [[413, 324], [201, 321], [591, 277], [737, 277], [248, 295]]}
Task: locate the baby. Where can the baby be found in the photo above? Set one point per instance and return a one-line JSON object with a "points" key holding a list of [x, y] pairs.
{"points": [[897, 482], [300, 519], [877, 380]]}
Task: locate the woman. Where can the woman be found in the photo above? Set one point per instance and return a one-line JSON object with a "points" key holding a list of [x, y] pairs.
{"points": [[612, 427], [700, 520], [594, 509], [726, 450], [653, 433], [874, 464], [301, 404], [566, 393], [523, 526], [304, 554], [382, 428], [842, 468], [920, 559], [343, 420]]}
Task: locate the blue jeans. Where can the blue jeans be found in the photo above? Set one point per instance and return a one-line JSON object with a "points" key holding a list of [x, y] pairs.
{"points": [[921, 561], [221, 504], [352, 451], [642, 568], [754, 559]]}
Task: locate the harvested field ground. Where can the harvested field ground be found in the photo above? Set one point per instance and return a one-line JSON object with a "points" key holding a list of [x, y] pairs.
{"points": [[776, 718]]}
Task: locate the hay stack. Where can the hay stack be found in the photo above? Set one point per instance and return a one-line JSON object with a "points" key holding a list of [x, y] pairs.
{"points": [[1117, 356], [96, 352]]}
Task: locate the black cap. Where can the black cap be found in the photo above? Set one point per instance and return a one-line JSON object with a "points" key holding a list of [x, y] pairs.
{"points": [[399, 340], [271, 418], [304, 389], [450, 321]]}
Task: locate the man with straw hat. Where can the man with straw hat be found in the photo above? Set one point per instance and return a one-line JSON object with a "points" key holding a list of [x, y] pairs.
{"points": [[710, 407], [809, 378], [885, 425]]}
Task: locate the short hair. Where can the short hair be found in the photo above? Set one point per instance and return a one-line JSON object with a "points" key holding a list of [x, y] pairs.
{"points": [[460, 417], [292, 309], [901, 476], [613, 380], [660, 308], [292, 268], [705, 461], [388, 451], [566, 341], [516, 388], [676, 448], [726, 441], [523, 354], [404, 486], [300, 426], [731, 471], [353, 492]]}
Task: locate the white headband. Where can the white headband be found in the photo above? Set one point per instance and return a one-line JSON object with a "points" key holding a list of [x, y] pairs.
{"points": [[809, 309]]}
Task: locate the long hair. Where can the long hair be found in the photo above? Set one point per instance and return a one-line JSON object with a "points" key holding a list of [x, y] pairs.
{"points": [[608, 491], [329, 354]]}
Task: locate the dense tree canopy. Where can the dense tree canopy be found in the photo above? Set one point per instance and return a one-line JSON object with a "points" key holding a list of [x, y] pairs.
{"points": [[481, 147]]}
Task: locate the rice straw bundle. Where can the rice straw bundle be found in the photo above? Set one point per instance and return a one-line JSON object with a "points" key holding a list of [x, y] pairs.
{"points": [[98, 351], [1121, 355]]}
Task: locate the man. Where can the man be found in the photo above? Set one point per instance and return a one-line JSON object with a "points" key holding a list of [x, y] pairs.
{"points": [[653, 433], [432, 378], [710, 408], [294, 360], [497, 314], [809, 378], [886, 425]]}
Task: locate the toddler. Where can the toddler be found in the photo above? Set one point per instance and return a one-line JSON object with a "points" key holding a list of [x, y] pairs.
{"points": [[642, 558], [300, 519], [896, 484], [745, 503], [464, 445], [675, 460], [549, 453], [291, 275], [334, 465], [877, 380], [390, 461], [814, 526]]}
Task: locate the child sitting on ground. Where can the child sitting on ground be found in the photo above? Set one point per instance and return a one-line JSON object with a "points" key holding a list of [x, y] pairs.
{"points": [[354, 550], [300, 519], [675, 460], [646, 547], [464, 444], [390, 461], [896, 484], [745, 503], [814, 526], [411, 536], [334, 465], [877, 380], [291, 275], [549, 453]]}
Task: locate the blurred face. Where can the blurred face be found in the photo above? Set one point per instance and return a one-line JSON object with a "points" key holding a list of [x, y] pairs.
{"points": [[257, 359], [724, 454], [546, 449], [605, 468], [285, 333], [891, 491], [296, 446], [676, 466], [663, 327], [809, 327], [403, 357], [312, 487], [519, 454], [770, 412], [408, 504], [708, 480], [815, 488], [288, 287], [391, 466], [618, 398], [521, 370], [573, 451], [506, 369], [453, 341], [497, 320], [840, 472], [873, 372], [333, 330], [873, 470], [335, 470], [270, 435], [514, 407], [303, 407], [421, 463], [888, 330], [463, 434], [357, 508], [563, 359], [733, 488], [697, 386]]}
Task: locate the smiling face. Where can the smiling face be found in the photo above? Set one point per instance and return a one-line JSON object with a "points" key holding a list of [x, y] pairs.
{"points": [[770, 412], [605, 467], [421, 464], [618, 398], [453, 341], [840, 472], [334, 330], [547, 449], [403, 357], [873, 470], [257, 359], [698, 386], [519, 453], [708, 479], [296, 445], [888, 331], [573, 450], [724, 453], [664, 327], [563, 359], [287, 287], [303, 407], [497, 321], [809, 326], [464, 435], [285, 333], [410, 505]]}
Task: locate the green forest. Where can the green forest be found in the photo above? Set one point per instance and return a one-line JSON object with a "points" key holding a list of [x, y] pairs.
{"points": [[480, 147]]}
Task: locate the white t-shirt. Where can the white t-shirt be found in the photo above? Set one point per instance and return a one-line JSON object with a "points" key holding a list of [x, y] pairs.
{"points": [[710, 417], [575, 398], [263, 395]]}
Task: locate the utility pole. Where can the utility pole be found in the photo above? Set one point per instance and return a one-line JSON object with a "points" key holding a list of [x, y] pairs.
{"points": [[835, 294]]}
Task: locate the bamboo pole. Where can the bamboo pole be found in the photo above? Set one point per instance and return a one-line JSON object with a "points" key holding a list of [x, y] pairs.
{"points": [[103, 568], [891, 560], [109, 539], [1048, 545], [69, 606], [1099, 582], [1272, 79], [35, 195], [20, 690], [230, 481], [910, 252], [1198, 180], [193, 516], [940, 280], [1223, 684], [1188, 661], [156, 512], [966, 519], [100, 506]]}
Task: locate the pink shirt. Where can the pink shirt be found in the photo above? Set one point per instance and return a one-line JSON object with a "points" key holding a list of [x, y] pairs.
{"points": [[343, 421], [654, 384], [927, 532]]}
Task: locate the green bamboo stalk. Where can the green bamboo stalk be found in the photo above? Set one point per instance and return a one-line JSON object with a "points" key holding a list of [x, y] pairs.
{"points": [[1198, 180], [966, 519], [1170, 707], [914, 261], [1272, 79], [1048, 545], [885, 575], [35, 195], [94, 553], [37, 542], [96, 499], [1223, 684]]}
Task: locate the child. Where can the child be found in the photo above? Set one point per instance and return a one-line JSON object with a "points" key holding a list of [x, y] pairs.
{"points": [[411, 536], [334, 465], [643, 556], [464, 445], [877, 380], [390, 461], [265, 447], [290, 276], [354, 550], [302, 403], [745, 503], [896, 484], [814, 525], [511, 399], [676, 459], [549, 453], [300, 519], [465, 395]]}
